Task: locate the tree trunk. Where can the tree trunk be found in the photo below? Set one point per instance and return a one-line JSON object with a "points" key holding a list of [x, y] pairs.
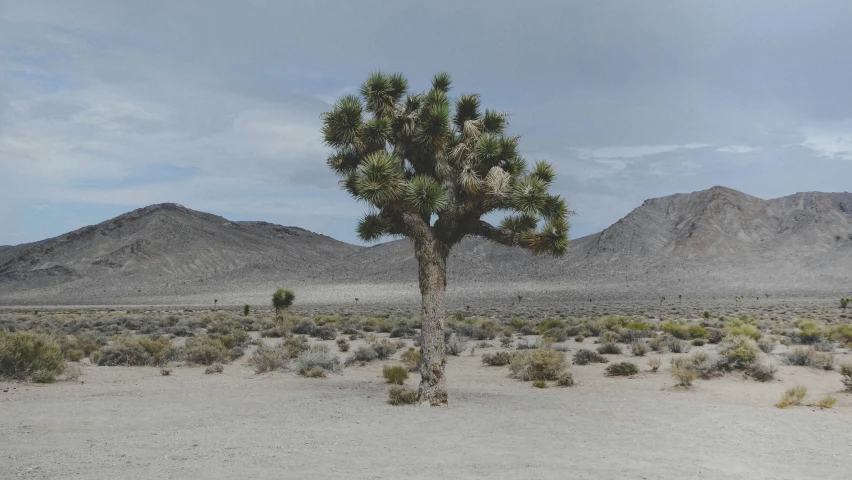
{"points": [[432, 259]]}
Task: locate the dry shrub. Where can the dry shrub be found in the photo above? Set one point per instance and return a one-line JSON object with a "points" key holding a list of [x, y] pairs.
{"points": [[205, 350], [315, 372], [585, 357], [411, 359], [30, 356], [609, 349], [793, 396], [385, 348], [396, 374], [654, 363], [127, 351], [739, 352], [316, 356], [268, 359], [807, 357], [342, 345], [762, 372], [362, 355], [456, 344], [400, 395], [498, 359], [638, 349], [684, 376], [827, 402], [538, 364], [165, 372], [846, 375], [215, 368], [539, 384], [623, 369], [565, 379]]}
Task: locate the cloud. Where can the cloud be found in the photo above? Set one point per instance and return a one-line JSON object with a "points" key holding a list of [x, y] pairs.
{"points": [[106, 106]]}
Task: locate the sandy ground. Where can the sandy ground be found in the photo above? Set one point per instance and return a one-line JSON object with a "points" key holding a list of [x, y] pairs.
{"points": [[131, 422]]}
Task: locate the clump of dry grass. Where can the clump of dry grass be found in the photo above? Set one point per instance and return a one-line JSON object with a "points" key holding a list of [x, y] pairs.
{"points": [[411, 359], [539, 384], [654, 363], [268, 359], [400, 395], [684, 376], [793, 396], [315, 372], [565, 379], [827, 402], [215, 368]]}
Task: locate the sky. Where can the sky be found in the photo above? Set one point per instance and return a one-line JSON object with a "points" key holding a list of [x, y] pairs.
{"points": [[110, 106]]}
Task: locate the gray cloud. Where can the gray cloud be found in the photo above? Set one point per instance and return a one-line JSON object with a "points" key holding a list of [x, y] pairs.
{"points": [[629, 99]]}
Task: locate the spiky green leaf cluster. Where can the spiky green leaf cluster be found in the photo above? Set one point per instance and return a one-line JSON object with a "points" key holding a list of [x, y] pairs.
{"points": [[425, 161]]}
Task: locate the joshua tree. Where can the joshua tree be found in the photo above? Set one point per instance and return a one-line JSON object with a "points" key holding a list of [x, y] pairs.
{"points": [[282, 300], [246, 310], [844, 302], [429, 168]]}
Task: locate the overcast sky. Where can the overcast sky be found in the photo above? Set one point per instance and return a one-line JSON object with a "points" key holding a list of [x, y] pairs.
{"points": [[106, 106]]}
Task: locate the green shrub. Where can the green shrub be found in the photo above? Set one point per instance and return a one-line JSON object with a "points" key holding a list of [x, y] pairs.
{"points": [[623, 369], [497, 359], [739, 352], [609, 349], [556, 334], [585, 357], [810, 331], [827, 402], [400, 395], [744, 330], [30, 356], [579, 339], [677, 346], [550, 324], [205, 350], [698, 342], [538, 364], [715, 335], [246, 310], [842, 333], [395, 374], [342, 345], [539, 384], [675, 329]]}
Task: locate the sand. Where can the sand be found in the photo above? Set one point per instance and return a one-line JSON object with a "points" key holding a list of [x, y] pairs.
{"points": [[131, 422]]}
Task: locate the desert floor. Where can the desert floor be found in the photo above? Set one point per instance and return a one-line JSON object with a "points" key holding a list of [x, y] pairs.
{"points": [[131, 422]]}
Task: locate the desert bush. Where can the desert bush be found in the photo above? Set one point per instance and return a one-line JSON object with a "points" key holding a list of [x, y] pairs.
{"points": [[30, 356], [385, 348], [205, 350], [842, 333], [623, 369], [456, 344], [762, 372], [395, 374], [846, 375], [766, 345], [556, 334], [807, 357], [809, 332], [215, 368], [314, 372], [793, 396], [609, 349], [824, 346], [506, 341], [638, 349], [539, 384], [246, 310], [565, 379], [411, 359], [585, 357], [165, 372], [827, 402], [579, 339], [127, 351], [657, 344], [677, 346], [400, 395], [237, 338], [684, 376], [698, 342], [316, 356], [744, 330], [268, 359], [497, 359], [715, 335], [74, 355], [654, 363], [738, 352], [277, 331], [342, 345], [305, 327], [538, 364], [362, 355], [608, 337]]}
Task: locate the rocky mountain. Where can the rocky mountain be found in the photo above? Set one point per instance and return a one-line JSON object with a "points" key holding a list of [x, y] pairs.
{"points": [[705, 243]]}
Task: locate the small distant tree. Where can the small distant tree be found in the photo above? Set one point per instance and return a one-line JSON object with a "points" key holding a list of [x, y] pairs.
{"points": [[844, 302], [430, 168], [215, 301], [246, 310], [282, 300]]}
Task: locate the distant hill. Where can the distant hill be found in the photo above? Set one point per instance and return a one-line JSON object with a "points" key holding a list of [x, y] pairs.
{"points": [[706, 243]]}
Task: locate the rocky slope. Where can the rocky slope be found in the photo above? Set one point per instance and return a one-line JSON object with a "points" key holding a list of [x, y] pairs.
{"points": [[712, 242]]}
